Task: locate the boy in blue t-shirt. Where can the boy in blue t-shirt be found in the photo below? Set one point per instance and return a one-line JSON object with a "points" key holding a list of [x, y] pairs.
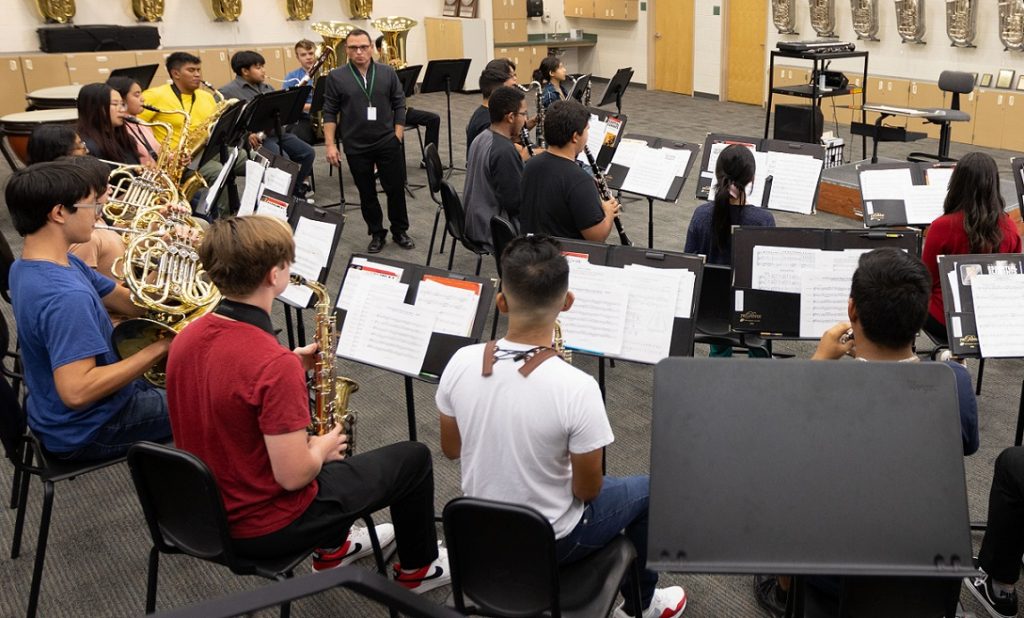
{"points": [[83, 402]]}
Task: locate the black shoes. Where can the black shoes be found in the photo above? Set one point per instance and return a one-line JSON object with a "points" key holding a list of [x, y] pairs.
{"points": [[402, 240], [770, 596], [996, 603], [376, 244]]}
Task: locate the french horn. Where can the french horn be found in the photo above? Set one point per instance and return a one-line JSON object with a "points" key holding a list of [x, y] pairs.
{"points": [[227, 10], [865, 19], [1011, 24], [823, 17], [148, 10], [300, 10], [961, 22], [56, 11], [910, 20], [784, 16]]}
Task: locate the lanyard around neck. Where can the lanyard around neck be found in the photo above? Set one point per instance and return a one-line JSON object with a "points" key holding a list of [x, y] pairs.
{"points": [[372, 78], [177, 93]]}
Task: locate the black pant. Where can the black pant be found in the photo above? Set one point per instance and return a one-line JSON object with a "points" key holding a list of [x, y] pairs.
{"points": [[1003, 546], [390, 164], [935, 329], [428, 120], [400, 475]]}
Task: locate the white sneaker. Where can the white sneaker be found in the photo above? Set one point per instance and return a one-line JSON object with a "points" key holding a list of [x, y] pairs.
{"points": [[667, 603], [434, 575], [356, 547]]}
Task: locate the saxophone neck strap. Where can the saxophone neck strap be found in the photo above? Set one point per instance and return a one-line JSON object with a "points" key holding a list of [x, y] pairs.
{"points": [[250, 314], [534, 357]]}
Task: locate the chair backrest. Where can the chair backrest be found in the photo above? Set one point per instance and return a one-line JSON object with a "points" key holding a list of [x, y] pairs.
{"points": [[714, 310], [502, 558], [435, 174], [6, 260], [12, 418], [502, 233], [957, 82], [181, 502], [454, 213]]}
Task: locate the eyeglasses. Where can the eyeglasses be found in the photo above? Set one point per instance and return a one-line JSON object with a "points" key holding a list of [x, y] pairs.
{"points": [[91, 205], [525, 114], [359, 48]]}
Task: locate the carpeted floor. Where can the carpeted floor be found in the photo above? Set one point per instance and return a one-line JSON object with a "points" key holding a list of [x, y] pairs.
{"points": [[96, 560]]}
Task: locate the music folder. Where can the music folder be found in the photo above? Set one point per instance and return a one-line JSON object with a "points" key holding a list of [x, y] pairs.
{"points": [[317, 232], [662, 166], [957, 274], [903, 193], [606, 131]]}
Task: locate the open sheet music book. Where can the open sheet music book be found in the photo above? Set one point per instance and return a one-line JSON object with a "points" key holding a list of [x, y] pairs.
{"points": [[982, 297], [651, 166], [314, 241], [902, 193]]}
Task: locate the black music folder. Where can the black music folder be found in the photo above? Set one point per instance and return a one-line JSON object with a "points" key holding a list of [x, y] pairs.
{"points": [[807, 467], [957, 273], [609, 127], [904, 193]]}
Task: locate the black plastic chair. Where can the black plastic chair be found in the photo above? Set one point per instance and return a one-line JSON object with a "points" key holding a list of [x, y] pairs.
{"points": [[502, 233], [435, 175], [30, 459], [455, 223], [6, 260], [488, 541], [185, 515], [956, 83], [714, 312]]}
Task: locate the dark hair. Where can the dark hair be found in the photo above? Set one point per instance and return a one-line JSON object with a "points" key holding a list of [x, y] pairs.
{"points": [[94, 125], [245, 59], [505, 100], [974, 190], [735, 169], [358, 32], [305, 44], [502, 64], [491, 79], [547, 66], [180, 59], [238, 252], [378, 42], [96, 172], [122, 84], [534, 271], [32, 192], [562, 120], [50, 141], [890, 291]]}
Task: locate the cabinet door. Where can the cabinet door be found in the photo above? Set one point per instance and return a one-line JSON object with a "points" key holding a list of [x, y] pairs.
{"points": [[988, 123], [571, 8], [44, 70], [788, 76], [924, 95], [509, 31], [509, 9], [88, 68], [631, 10], [963, 132], [217, 66], [157, 57], [1013, 116], [12, 96]]}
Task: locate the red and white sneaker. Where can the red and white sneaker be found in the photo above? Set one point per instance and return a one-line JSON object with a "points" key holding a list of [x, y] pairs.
{"points": [[355, 547], [434, 575], [667, 603]]}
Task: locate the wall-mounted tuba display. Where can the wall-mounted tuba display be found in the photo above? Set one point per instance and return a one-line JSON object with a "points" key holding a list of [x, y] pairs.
{"points": [[56, 11], [865, 19], [910, 20], [784, 16], [299, 10], [1011, 24], [148, 10], [227, 10], [823, 17], [360, 9], [395, 31], [962, 22]]}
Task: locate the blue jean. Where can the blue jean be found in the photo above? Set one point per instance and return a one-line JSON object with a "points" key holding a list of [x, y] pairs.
{"points": [[144, 417], [298, 151], [622, 504]]}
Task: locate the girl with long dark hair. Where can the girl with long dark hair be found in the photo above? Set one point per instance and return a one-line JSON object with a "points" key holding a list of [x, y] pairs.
{"points": [[101, 113], [552, 75], [974, 221], [147, 148]]}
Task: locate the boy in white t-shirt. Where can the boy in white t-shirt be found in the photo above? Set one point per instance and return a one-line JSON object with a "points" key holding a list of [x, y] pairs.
{"points": [[529, 428]]}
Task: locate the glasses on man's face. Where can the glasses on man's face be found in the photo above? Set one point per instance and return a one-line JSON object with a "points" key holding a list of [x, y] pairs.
{"points": [[359, 48], [90, 205]]}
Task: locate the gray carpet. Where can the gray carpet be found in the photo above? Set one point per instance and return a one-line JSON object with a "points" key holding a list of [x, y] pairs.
{"points": [[96, 561]]}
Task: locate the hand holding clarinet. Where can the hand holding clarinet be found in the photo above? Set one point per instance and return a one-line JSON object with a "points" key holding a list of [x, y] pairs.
{"points": [[609, 203]]}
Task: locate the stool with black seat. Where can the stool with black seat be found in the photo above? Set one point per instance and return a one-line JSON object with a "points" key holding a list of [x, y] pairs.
{"points": [[488, 540], [185, 514], [502, 233], [714, 312], [30, 459], [455, 223], [435, 174], [956, 83]]}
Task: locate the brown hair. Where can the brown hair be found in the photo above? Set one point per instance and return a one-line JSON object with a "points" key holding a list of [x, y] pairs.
{"points": [[305, 44], [238, 252]]}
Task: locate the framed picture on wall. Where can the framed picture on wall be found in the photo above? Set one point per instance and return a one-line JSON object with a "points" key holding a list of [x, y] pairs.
{"points": [[1005, 79], [451, 8], [467, 8], [975, 76], [1020, 83], [986, 80]]}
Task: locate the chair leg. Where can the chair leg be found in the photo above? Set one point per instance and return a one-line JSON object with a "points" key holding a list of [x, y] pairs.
{"points": [[479, 261], [433, 235], [286, 607], [451, 256], [44, 533], [19, 521], [981, 376], [151, 579]]}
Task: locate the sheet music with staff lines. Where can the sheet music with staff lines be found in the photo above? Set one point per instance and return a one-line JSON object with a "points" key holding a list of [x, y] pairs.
{"points": [[999, 314]]}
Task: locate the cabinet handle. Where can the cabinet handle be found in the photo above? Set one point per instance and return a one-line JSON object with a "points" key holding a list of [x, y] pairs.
{"points": [[13, 64], [28, 64], [999, 100]]}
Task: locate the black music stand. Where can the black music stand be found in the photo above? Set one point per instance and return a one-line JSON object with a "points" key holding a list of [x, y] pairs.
{"points": [[616, 88], [445, 76], [227, 133], [408, 78], [315, 107], [579, 87], [795, 503], [143, 74], [270, 112]]}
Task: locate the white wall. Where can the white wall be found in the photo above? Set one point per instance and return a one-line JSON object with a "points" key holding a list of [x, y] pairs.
{"points": [[892, 58], [707, 53]]}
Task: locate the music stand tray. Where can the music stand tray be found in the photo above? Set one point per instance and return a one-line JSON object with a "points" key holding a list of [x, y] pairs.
{"points": [[446, 76], [579, 87], [408, 78], [227, 131], [143, 74]]}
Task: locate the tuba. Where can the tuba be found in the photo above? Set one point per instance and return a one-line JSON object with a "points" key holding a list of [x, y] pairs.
{"points": [[910, 20], [331, 392], [333, 33], [227, 10], [360, 9], [784, 16], [56, 11], [299, 10], [148, 10], [1011, 24], [961, 22], [395, 31], [865, 19], [823, 17]]}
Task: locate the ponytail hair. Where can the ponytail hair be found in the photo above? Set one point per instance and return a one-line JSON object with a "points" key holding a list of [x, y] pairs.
{"points": [[548, 66], [733, 172]]}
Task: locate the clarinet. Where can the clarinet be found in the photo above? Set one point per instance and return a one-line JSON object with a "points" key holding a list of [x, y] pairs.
{"points": [[606, 194], [524, 136]]}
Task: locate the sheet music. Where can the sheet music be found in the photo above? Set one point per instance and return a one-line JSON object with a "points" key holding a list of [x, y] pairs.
{"points": [[954, 286], [277, 180], [455, 306], [358, 274], [313, 241], [923, 203], [251, 193], [795, 181], [597, 319], [887, 184], [938, 176], [392, 335], [998, 313], [595, 137], [272, 207], [780, 269], [654, 170], [650, 313], [717, 148], [823, 301], [627, 152]]}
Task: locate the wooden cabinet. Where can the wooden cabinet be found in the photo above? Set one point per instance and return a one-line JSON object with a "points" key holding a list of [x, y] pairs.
{"points": [[988, 120], [925, 95], [789, 76], [12, 95], [888, 91], [1013, 116], [444, 38], [459, 38], [839, 108], [619, 10], [508, 9], [963, 132], [217, 66], [579, 8], [88, 68], [159, 58], [525, 58], [44, 70], [509, 31]]}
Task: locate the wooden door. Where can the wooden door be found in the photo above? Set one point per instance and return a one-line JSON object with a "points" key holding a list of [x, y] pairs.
{"points": [[747, 27], [673, 46]]}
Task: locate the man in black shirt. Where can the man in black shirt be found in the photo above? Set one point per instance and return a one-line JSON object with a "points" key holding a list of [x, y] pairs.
{"points": [[369, 99], [418, 117], [495, 168], [558, 197], [494, 76]]}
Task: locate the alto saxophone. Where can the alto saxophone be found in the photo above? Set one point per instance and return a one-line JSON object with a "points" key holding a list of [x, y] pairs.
{"points": [[865, 19], [559, 344], [1011, 24], [784, 16], [823, 17], [961, 22], [910, 20], [330, 391]]}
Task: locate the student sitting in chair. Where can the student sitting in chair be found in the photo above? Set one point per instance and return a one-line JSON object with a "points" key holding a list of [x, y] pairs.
{"points": [[888, 305], [523, 396]]}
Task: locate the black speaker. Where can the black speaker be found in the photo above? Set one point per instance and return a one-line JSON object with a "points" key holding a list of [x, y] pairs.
{"points": [[793, 123]]}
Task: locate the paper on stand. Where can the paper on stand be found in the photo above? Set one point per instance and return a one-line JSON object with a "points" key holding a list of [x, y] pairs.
{"points": [[780, 269], [597, 319], [795, 181], [455, 306], [998, 314], [888, 184], [392, 335], [627, 152], [938, 176], [272, 207], [251, 193], [313, 241], [923, 203], [823, 301], [358, 275], [650, 313], [277, 180]]}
